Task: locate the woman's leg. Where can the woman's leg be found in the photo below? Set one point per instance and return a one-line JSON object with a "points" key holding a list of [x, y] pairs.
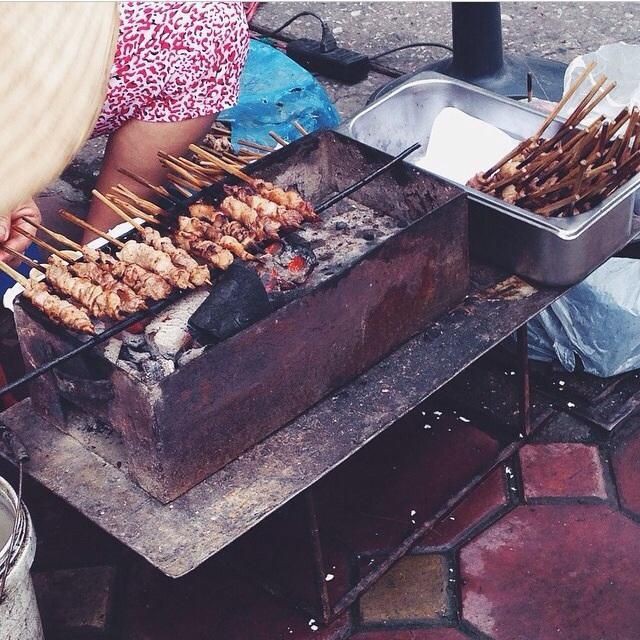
{"points": [[134, 147]]}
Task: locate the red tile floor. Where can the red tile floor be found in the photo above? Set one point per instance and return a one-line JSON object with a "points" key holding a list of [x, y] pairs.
{"points": [[547, 547]]}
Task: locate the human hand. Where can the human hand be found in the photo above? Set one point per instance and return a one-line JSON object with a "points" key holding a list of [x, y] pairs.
{"points": [[10, 221]]}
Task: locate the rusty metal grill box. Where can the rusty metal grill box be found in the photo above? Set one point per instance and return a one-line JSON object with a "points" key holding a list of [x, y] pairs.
{"points": [[172, 434]]}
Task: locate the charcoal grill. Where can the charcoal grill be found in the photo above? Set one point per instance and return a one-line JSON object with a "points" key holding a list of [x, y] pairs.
{"points": [[379, 282]]}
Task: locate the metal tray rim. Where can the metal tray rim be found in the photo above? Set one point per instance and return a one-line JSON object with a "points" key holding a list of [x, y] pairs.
{"points": [[565, 228]]}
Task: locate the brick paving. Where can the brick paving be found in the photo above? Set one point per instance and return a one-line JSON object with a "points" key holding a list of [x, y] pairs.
{"points": [[547, 547]]}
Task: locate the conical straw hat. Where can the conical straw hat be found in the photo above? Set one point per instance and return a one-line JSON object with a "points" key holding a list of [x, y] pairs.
{"points": [[55, 63]]}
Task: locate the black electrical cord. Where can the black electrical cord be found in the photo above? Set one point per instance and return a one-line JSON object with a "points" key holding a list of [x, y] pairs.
{"points": [[327, 41], [411, 46]]}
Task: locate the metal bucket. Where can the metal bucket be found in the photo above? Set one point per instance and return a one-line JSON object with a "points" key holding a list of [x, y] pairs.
{"points": [[19, 615]]}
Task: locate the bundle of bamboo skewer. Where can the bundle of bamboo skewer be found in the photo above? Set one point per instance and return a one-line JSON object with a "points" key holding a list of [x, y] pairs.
{"points": [[575, 169], [188, 175]]}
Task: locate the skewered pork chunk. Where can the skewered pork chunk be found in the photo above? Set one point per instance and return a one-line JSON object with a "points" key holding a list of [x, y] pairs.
{"points": [[198, 274], [207, 231], [213, 253], [232, 228], [131, 301], [289, 199], [243, 213], [145, 283], [288, 218], [58, 310], [98, 302], [156, 261]]}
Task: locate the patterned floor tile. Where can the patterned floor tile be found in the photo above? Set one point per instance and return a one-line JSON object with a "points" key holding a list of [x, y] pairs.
{"points": [[415, 588], [565, 571], [562, 470]]}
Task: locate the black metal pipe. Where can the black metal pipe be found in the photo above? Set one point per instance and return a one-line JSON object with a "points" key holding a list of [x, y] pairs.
{"points": [[323, 206], [477, 39]]}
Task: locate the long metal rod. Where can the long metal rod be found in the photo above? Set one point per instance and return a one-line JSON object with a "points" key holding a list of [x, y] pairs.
{"points": [[92, 342], [323, 206], [522, 336], [318, 557]]}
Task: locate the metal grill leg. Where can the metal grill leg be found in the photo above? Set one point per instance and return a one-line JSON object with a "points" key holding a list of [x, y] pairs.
{"points": [[523, 372], [322, 592]]}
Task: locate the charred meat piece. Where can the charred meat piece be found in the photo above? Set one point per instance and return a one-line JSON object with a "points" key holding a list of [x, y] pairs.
{"points": [[232, 228], [198, 274], [288, 218], [208, 231], [58, 310], [287, 198], [211, 252], [239, 211], [156, 261], [98, 302], [145, 283]]}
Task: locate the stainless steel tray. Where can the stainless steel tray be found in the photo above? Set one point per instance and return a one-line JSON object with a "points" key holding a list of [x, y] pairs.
{"points": [[552, 251]]}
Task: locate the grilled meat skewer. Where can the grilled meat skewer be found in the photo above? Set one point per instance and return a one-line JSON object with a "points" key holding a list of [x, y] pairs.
{"points": [[131, 301], [156, 261], [233, 228], [215, 255], [98, 302], [207, 231], [288, 218], [58, 310], [290, 199], [198, 274], [145, 283], [241, 212]]}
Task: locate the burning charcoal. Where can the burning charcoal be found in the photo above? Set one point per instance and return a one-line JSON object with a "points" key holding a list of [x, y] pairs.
{"points": [[111, 350], [133, 340], [368, 234], [137, 356], [168, 335], [190, 355], [341, 226], [157, 369], [238, 300]]}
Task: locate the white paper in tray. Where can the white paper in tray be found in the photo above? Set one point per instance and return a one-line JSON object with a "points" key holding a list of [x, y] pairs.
{"points": [[461, 146]]}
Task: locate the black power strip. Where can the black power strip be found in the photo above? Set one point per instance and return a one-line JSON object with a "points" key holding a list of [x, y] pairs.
{"points": [[340, 64]]}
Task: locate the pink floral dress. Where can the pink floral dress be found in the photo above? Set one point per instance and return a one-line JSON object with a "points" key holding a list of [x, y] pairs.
{"points": [[174, 61]]}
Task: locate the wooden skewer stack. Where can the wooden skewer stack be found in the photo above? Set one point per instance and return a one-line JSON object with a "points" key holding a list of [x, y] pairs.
{"points": [[575, 169]]}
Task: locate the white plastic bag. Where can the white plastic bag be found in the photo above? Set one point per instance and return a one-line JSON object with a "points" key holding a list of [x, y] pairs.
{"points": [[597, 320], [620, 62]]}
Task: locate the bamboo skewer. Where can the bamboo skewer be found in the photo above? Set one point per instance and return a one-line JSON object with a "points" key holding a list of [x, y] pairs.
{"points": [[44, 245], [62, 239], [147, 206], [13, 274], [83, 224], [32, 264], [279, 139], [303, 131], [118, 211], [223, 165], [161, 191]]}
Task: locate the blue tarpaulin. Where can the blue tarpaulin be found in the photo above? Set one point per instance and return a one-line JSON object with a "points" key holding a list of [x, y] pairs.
{"points": [[275, 91]]}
